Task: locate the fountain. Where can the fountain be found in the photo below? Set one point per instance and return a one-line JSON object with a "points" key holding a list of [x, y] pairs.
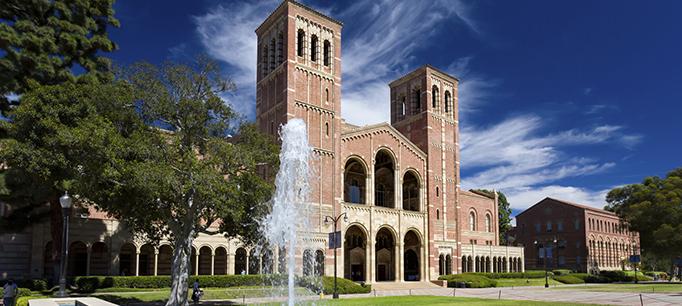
{"points": [[289, 211]]}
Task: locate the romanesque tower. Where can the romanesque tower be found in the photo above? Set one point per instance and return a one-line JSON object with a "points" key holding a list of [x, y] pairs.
{"points": [[299, 76], [424, 108]]}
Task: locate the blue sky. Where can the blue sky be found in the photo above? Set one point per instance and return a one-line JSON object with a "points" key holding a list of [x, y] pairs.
{"points": [[557, 98]]}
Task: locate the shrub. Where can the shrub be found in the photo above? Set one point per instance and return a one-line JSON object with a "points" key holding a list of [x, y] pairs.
{"points": [[561, 272], [344, 286], [468, 280], [660, 275], [569, 279], [623, 276], [590, 278], [527, 274], [88, 284]]}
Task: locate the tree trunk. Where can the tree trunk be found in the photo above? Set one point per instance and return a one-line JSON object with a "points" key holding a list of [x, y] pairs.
{"points": [[180, 269]]}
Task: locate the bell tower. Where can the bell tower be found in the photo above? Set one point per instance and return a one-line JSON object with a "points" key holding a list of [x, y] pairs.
{"points": [[424, 109]]}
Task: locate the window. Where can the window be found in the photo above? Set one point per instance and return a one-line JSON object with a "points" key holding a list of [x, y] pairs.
{"points": [[272, 54], [264, 60], [537, 227], [313, 48], [560, 226], [417, 101], [326, 128], [301, 42], [488, 223], [576, 223], [326, 53], [472, 221], [437, 214], [280, 48], [549, 226], [434, 97], [448, 101], [402, 107], [437, 193], [326, 95]]}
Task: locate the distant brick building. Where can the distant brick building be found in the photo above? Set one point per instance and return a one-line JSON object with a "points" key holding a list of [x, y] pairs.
{"points": [[399, 183], [587, 238]]}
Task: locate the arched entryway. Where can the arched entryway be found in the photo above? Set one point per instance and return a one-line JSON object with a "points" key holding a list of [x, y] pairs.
{"points": [[254, 262], [240, 261], [384, 181], [146, 260], [411, 192], [220, 263], [205, 260], [308, 262], [99, 259], [78, 259], [354, 254], [268, 261], [384, 250], [411, 262], [282, 260], [448, 264], [126, 259], [441, 264], [354, 181], [165, 260], [49, 269]]}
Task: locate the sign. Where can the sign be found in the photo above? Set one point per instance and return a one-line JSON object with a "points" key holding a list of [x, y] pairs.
{"points": [[335, 240], [635, 259]]}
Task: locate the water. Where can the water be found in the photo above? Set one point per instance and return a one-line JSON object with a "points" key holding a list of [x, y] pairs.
{"points": [[289, 212]]}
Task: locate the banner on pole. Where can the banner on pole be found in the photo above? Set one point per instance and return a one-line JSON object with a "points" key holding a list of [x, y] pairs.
{"points": [[635, 259], [335, 240]]}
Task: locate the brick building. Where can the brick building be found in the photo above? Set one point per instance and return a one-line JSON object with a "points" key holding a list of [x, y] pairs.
{"points": [[587, 238], [398, 182]]}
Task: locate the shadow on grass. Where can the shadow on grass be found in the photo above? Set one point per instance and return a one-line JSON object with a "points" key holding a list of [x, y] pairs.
{"points": [[130, 301]]}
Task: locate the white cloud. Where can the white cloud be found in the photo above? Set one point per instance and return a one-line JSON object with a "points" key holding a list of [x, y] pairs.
{"points": [[522, 198]]}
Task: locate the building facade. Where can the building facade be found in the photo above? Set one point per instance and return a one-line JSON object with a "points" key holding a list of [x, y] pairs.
{"points": [[587, 239], [398, 182]]}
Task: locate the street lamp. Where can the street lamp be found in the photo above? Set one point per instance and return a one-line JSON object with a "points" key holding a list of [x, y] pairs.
{"points": [[65, 202], [537, 246], [334, 221]]}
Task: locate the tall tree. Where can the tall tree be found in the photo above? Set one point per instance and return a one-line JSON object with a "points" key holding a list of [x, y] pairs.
{"points": [[503, 214], [654, 209], [177, 181], [42, 41]]}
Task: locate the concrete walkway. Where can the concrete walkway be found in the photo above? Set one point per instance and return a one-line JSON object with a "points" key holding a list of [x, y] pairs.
{"points": [[517, 293]]}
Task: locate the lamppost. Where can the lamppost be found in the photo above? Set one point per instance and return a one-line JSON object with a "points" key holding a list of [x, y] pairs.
{"points": [[65, 202], [545, 259], [336, 243]]}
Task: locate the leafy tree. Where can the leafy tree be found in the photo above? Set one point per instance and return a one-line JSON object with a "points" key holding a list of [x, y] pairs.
{"points": [[181, 180], [43, 41], [654, 209], [503, 213]]}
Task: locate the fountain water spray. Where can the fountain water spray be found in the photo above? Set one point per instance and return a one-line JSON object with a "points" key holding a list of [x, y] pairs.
{"points": [[289, 210]]}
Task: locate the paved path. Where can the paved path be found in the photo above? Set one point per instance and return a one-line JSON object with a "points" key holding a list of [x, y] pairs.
{"points": [[519, 293]]}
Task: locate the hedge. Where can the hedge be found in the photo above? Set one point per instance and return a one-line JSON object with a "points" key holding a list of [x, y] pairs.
{"points": [[344, 286], [468, 280], [527, 274], [33, 284], [561, 272], [569, 279], [623, 276], [660, 275], [22, 292]]}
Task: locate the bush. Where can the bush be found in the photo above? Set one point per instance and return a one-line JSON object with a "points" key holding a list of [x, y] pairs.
{"points": [[623, 276], [21, 292], [468, 280], [32, 284], [654, 274], [87, 284], [561, 272], [344, 286], [569, 279], [527, 274], [590, 278]]}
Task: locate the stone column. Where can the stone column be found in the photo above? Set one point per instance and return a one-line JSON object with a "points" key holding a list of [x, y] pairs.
{"points": [[371, 261], [248, 266], [87, 264], [156, 261], [196, 262], [399, 271], [275, 261], [507, 264], [212, 262], [230, 264], [137, 263]]}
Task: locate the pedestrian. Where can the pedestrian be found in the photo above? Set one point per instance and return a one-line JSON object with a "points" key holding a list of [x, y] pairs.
{"points": [[196, 292], [9, 293]]}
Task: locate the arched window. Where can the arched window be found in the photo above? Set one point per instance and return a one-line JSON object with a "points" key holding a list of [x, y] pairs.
{"points": [[488, 223], [264, 60], [437, 214], [434, 97], [280, 48], [472, 221], [326, 95], [301, 42], [326, 128], [448, 101], [272, 54], [417, 101], [327, 52], [402, 107], [313, 48]]}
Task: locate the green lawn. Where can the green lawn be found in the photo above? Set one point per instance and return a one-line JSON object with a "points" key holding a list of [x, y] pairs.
{"points": [[636, 288], [126, 296], [519, 282], [429, 300]]}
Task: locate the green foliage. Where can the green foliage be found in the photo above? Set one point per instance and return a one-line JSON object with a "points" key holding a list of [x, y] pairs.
{"points": [[527, 274], [659, 274], [623, 276], [344, 286], [569, 279], [653, 209], [21, 292], [32, 284], [42, 41], [468, 280], [561, 272]]}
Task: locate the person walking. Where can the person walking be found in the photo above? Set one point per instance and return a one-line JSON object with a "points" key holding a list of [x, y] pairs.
{"points": [[9, 293], [196, 292]]}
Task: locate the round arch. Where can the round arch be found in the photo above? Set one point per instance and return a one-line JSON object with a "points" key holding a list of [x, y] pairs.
{"points": [[473, 219], [355, 251], [165, 259], [355, 172], [384, 250], [412, 183], [412, 245], [78, 259], [99, 258], [385, 165]]}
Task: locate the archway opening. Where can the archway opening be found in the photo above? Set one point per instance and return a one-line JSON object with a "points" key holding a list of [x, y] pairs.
{"points": [[385, 255], [78, 259], [411, 192], [254, 262], [354, 181], [354, 254], [384, 181], [412, 246], [319, 263], [240, 261], [308, 262], [146, 260], [220, 265], [268, 263], [448, 264], [205, 260], [99, 259], [165, 260], [49, 269], [126, 259]]}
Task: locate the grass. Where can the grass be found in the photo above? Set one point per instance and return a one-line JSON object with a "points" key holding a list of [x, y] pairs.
{"points": [[430, 300], [635, 288], [520, 282], [126, 296]]}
